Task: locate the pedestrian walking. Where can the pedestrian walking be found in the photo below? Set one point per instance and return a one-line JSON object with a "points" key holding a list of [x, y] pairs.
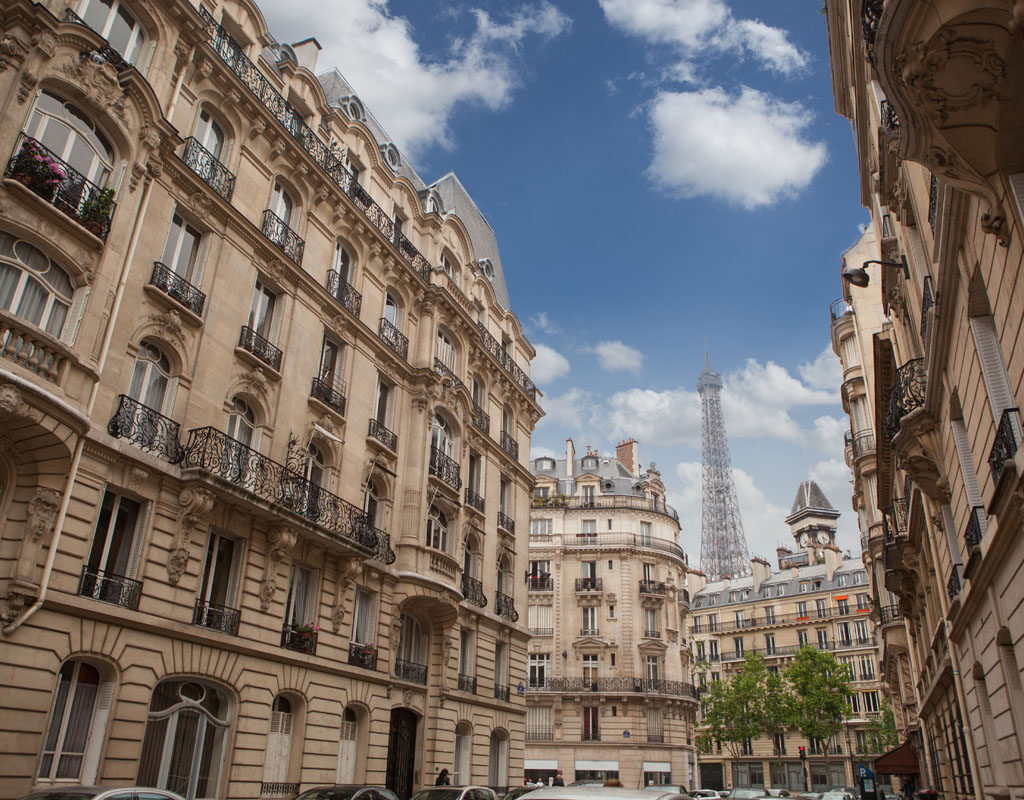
{"points": [[442, 778], [559, 781]]}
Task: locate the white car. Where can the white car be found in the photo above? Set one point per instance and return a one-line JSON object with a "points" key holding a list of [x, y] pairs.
{"points": [[704, 794], [72, 792], [604, 793], [455, 793]]}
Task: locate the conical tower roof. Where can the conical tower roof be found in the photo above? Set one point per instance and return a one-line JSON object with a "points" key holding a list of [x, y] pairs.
{"points": [[811, 500]]}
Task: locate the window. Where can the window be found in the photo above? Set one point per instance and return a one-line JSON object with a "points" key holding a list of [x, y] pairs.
{"points": [[241, 422], [801, 608], [747, 747], [183, 746], [181, 250], [589, 667], [867, 668], [501, 664], [539, 617], [475, 473], [804, 586], [116, 545], [538, 723], [504, 495], [277, 756], [653, 669], [651, 623], [348, 748], [589, 462], [862, 602], [697, 624], [300, 607], [700, 651], [76, 723], [210, 135], [497, 760], [363, 617], [68, 132], [261, 311], [32, 287], [645, 534], [588, 496], [801, 638], [221, 572], [769, 644], [843, 607], [589, 621], [655, 732], [738, 646], [854, 700], [540, 527], [611, 615], [860, 630], [445, 351], [437, 529], [871, 702], [712, 622], [341, 263], [769, 615], [331, 364], [466, 666], [391, 310], [822, 639], [591, 733], [739, 619], [114, 23], [821, 608], [713, 649], [841, 580], [410, 642], [448, 267], [589, 528], [441, 438], [382, 404], [648, 572], [281, 203], [843, 632], [539, 669], [862, 741], [150, 378]]}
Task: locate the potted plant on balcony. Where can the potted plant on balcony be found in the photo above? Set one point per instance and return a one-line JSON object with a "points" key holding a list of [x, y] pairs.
{"points": [[97, 209], [368, 649], [306, 631], [37, 169]]}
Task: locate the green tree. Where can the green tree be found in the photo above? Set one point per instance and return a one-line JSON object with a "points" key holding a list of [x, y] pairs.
{"points": [[777, 708], [820, 686], [881, 731], [729, 707]]}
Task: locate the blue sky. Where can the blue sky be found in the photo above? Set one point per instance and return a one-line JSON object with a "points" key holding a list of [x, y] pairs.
{"points": [[657, 172]]}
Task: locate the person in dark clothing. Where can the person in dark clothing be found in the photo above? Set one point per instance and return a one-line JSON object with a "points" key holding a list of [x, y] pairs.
{"points": [[442, 778], [558, 779]]}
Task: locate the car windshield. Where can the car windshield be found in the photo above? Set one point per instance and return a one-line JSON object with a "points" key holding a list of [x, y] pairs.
{"points": [[438, 794], [78, 793]]}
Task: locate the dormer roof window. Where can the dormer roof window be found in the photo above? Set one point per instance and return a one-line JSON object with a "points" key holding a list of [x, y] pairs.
{"points": [[589, 462]]}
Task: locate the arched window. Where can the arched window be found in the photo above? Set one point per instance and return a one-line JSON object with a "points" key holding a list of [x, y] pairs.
{"points": [[281, 203], [111, 20], [372, 505], [505, 575], [316, 466], [411, 646], [279, 741], [71, 135], [348, 748], [241, 422], [343, 261], [506, 420], [151, 377], [441, 438], [391, 309], [32, 286], [478, 392], [498, 759], [445, 350], [437, 529], [463, 754], [448, 267], [471, 558], [183, 747], [210, 135], [74, 735]]}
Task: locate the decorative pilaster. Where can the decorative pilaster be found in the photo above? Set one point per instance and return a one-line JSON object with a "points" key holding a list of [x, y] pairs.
{"points": [[282, 541], [195, 504]]}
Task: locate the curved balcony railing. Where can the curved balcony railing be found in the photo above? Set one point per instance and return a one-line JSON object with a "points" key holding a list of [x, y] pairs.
{"points": [[607, 501], [44, 173], [839, 309], [467, 683], [410, 671], [108, 53], [933, 201], [386, 437], [975, 529], [216, 453], [481, 419], [588, 585], [205, 164], [620, 540], [652, 587], [618, 685], [393, 338], [343, 291], [510, 445], [446, 468], [887, 614], [508, 363], [927, 301], [329, 392], [954, 585], [1004, 448], [504, 606], [252, 342], [506, 523], [473, 500], [445, 371], [870, 14], [287, 240], [540, 583], [146, 429], [890, 119], [216, 617], [110, 588], [907, 393], [383, 553], [473, 591], [361, 655], [863, 443], [173, 285], [542, 631], [299, 641]]}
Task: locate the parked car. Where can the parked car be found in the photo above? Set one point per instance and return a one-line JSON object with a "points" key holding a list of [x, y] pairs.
{"points": [[777, 792], [519, 791], [671, 787], [347, 791], [746, 794], [809, 796], [102, 793], [703, 794], [455, 793], [838, 794], [601, 792]]}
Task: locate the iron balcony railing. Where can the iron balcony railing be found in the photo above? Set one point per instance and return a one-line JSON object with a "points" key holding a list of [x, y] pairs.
{"points": [[205, 164], [627, 685], [975, 529], [473, 500], [216, 453], [110, 588], [607, 501], [473, 591], [727, 626], [386, 437], [504, 606], [393, 338], [894, 522], [446, 371], [652, 587], [870, 14], [147, 429], [329, 392], [106, 52], [343, 291], [299, 641], [467, 683], [510, 445], [446, 468], [591, 736], [933, 201], [589, 632], [927, 301], [361, 655], [650, 633], [481, 419], [887, 614], [588, 585], [173, 285], [863, 443], [907, 393], [508, 363], [501, 692], [287, 240], [410, 671], [953, 585], [506, 523], [621, 540], [539, 734], [890, 119], [216, 617], [839, 309], [1004, 448], [252, 342], [542, 631], [383, 553], [41, 171], [279, 789], [655, 738], [540, 583]]}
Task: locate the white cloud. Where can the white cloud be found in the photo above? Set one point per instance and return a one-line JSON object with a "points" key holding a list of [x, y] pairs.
{"points": [[413, 95], [698, 28], [615, 356], [836, 481], [538, 451], [670, 417], [543, 323], [749, 149], [572, 409], [548, 365], [825, 372]]}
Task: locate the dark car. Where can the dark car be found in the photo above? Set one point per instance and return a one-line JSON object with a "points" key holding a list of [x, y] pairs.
{"points": [[348, 791], [73, 792]]}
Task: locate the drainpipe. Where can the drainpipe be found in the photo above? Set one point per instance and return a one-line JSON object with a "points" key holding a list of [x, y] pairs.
{"points": [[177, 86], [108, 335]]}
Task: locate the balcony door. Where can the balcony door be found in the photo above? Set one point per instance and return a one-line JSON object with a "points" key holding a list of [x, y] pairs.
{"points": [[150, 378], [279, 741], [210, 135], [71, 135], [116, 545], [221, 572], [181, 250], [281, 204], [261, 311]]}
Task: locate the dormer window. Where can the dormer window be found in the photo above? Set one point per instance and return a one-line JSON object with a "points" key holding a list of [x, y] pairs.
{"points": [[589, 463], [544, 463]]}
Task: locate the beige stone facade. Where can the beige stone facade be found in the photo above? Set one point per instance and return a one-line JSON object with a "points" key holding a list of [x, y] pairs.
{"points": [[817, 596], [932, 93], [608, 688], [261, 464]]}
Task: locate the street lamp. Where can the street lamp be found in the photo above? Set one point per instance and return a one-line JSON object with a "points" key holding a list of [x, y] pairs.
{"points": [[858, 276]]}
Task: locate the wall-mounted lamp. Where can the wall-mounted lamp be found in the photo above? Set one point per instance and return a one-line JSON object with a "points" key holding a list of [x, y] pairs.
{"points": [[565, 654], [858, 276]]}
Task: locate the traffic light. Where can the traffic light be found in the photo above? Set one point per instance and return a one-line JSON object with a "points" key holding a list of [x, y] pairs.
{"points": [[803, 754]]}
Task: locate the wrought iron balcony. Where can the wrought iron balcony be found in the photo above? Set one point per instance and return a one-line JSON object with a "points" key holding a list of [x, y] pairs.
{"points": [[591, 736], [204, 164], [887, 614], [510, 445], [652, 587], [216, 617], [110, 588], [508, 363], [840, 309], [506, 523], [384, 554], [907, 393], [863, 443], [650, 633], [870, 14], [501, 692], [446, 468], [216, 453], [481, 419], [974, 530], [620, 685], [542, 631], [894, 522], [175, 286], [278, 789], [504, 606], [609, 501], [343, 291], [539, 734], [467, 683], [473, 500], [927, 301], [252, 342], [953, 585], [147, 429], [933, 201], [890, 119], [588, 585], [299, 641], [393, 338], [330, 393], [41, 171], [386, 437], [445, 371], [410, 671], [1004, 448], [473, 591], [361, 655], [655, 738], [540, 583], [584, 631], [278, 232], [106, 52]]}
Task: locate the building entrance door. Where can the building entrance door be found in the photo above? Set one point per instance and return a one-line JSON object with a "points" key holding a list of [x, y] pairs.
{"points": [[711, 776], [401, 752]]}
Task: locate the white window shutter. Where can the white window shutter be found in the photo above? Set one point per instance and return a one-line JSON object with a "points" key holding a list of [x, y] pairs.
{"points": [[75, 314], [275, 323], [201, 258], [145, 57], [993, 369], [167, 408], [279, 745], [236, 575], [347, 751], [967, 471], [140, 535], [312, 592], [97, 729]]}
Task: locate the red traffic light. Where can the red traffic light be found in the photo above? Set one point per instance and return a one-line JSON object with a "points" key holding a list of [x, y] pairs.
{"points": [[803, 754]]}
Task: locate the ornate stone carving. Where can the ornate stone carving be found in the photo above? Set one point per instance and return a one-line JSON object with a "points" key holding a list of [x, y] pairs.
{"points": [[201, 204], [137, 478], [256, 127], [12, 402], [348, 570], [195, 504], [26, 85], [282, 540], [98, 81], [255, 379], [915, 447], [12, 52], [42, 511], [45, 43]]}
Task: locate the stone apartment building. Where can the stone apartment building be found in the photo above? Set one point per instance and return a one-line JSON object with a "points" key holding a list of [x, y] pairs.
{"points": [[608, 690], [264, 423], [932, 94], [819, 597]]}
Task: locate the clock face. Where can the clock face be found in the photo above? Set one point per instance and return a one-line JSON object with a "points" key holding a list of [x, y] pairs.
{"points": [[823, 538]]}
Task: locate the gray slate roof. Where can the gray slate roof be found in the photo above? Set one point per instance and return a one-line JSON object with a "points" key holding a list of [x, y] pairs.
{"points": [[786, 578], [810, 499], [615, 478]]}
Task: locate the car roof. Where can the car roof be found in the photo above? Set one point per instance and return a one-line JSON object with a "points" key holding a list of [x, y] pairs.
{"points": [[596, 792]]}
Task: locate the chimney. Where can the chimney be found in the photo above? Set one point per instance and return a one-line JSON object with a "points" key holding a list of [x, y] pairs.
{"points": [[306, 52], [695, 582], [628, 454], [780, 552], [833, 560], [761, 572], [570, 458]]}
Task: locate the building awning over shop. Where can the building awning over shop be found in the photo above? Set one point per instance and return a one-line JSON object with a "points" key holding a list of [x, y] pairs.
{"points": [[597, 765], [540, 763], [657, 766], [899, 761]]}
